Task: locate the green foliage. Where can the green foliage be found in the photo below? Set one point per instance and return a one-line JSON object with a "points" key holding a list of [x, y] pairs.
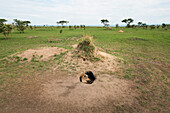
{"points": [[26, 22], [152, 27], [117, 25], [20, 25], [5, 29], [128, 21], [86, 49], [139, 24], [2, 21], [105, 22], [25, 59], [163, 25], [62, 22]]}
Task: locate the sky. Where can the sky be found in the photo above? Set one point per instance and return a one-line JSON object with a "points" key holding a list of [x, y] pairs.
{"points": [[86, 12]]}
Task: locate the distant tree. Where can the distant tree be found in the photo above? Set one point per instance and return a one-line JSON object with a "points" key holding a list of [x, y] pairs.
{"points": [[62, 22], [139, 24], [158, 26], [83, 27], [31, 27], [27, 22], [71, 27], [20, 25], [117, 25], [2, 21], [152, 27], [125, 20], [75, 27], [5, 29], [105, 22], [144, 25], [163, 25], [128, 21], [133, 26]]}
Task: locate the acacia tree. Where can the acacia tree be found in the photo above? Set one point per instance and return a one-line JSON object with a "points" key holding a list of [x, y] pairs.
{"points": [[139, 24], [20, 25], [5, 29], [163, 25], [27, 22], [105, 22], [144, 25], [2, 21], [62, 22], [128, 21]]}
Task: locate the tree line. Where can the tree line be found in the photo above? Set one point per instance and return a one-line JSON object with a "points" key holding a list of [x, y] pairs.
{"points": [[22, 25], [130, 20], [7, 28]]}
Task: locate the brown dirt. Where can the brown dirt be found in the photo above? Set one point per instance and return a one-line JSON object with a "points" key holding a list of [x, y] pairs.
{"points": [[120, 31], [46, 53], [61, 92], [106, 63], [32, 37], [56, 91]]}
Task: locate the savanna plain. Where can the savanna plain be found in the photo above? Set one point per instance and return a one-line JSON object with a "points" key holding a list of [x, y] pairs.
{"points": [[39, 73]]}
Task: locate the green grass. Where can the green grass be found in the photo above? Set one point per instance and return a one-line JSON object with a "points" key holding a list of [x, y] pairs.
{"points": [[145, 53]]}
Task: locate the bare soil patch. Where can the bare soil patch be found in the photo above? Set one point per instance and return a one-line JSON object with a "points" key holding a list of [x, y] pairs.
{"points": [[32, 37], [42, 54], [69, 95], [56, 91]]}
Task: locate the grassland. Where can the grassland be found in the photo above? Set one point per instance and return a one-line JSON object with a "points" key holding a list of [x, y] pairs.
{"points": [[146, 55]]}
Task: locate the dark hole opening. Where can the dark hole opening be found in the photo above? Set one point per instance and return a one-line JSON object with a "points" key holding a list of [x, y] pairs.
{"points": [[84, 59], [91, 76]]}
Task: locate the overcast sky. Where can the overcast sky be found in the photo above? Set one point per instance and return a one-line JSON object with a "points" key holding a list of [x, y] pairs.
{"points": [[88, 12]]}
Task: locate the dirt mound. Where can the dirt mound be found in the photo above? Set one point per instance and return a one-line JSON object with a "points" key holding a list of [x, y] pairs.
{"points": [[106, 63], [87, 57], [86, 49], [109, 28], [120, 31], [43, 54]]}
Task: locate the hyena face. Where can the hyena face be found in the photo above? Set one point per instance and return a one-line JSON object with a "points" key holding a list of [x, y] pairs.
{"points": [[84, 78], [88, 77]]}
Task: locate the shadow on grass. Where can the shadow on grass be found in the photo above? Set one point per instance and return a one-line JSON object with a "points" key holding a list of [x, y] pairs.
{"points": [[7, 38], [137, 39]]}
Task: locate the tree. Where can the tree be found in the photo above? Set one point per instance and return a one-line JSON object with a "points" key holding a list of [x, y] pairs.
{"points": [[117, 25], [139, 24], [128, 21], [152, 27], [125, 20], [27, 22], [20, 25], [163, 25], [2, 21], [62, 22], [105, 22], [5, 29], [144, 25]]}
